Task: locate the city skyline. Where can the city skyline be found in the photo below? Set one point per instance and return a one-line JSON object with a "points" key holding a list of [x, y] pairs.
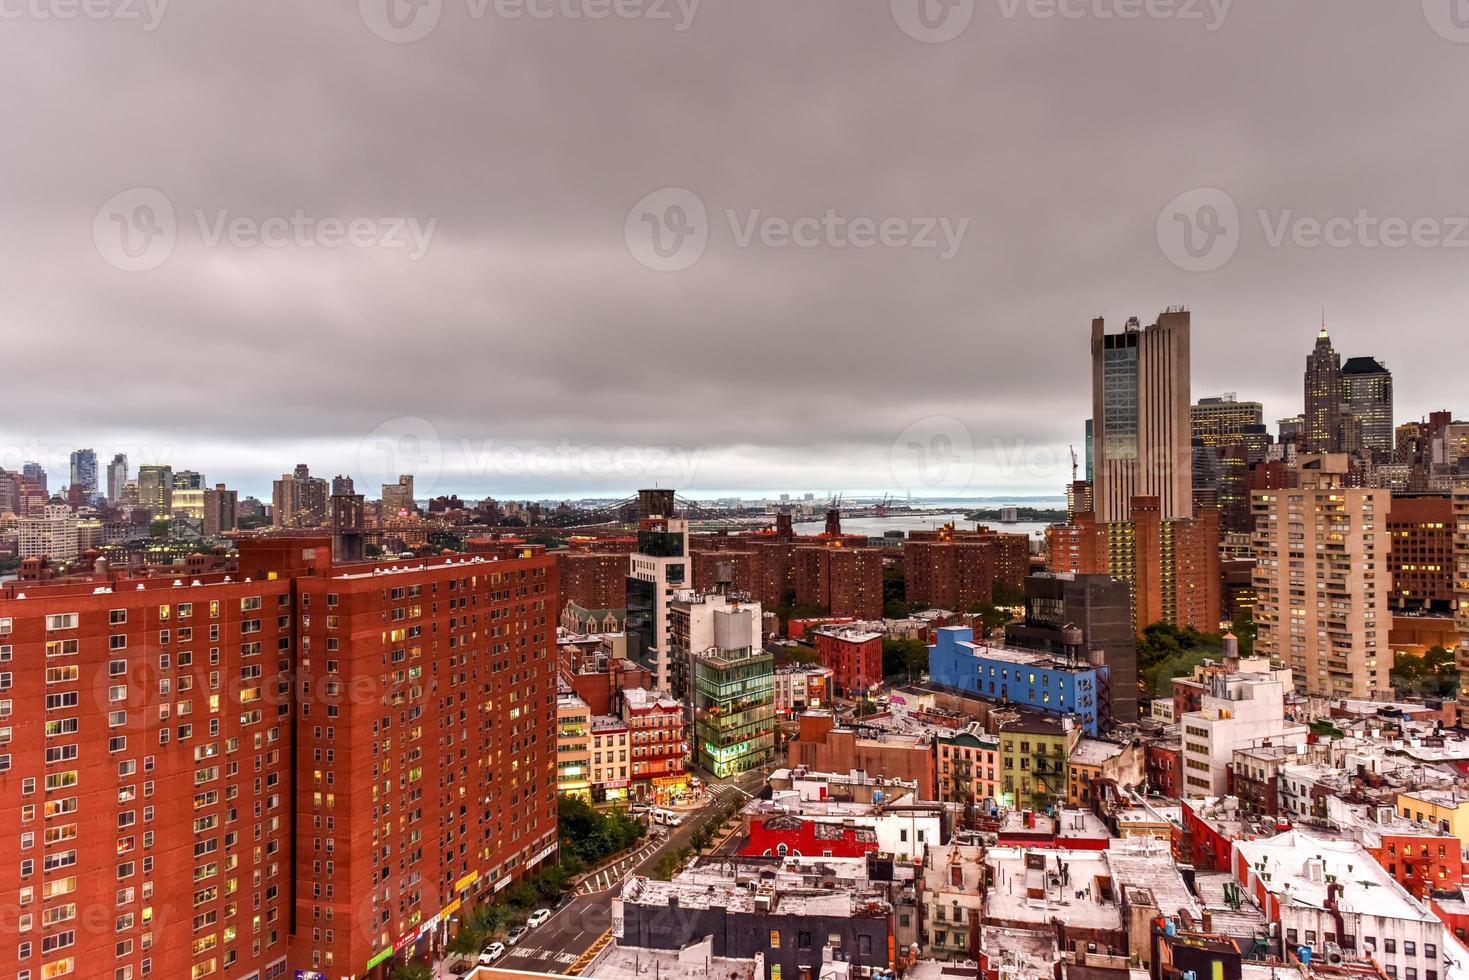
{"points": [[528, 315]]}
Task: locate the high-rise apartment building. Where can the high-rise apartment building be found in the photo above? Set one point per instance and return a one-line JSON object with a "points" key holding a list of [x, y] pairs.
{"points": [[221, 510], [35, 474], [155, 490], [50, 534], [1141, 419], [117, 478], [84, 472], [1171, 567], [1420, 563], [1367, 386], [711, 620], [1325, 397], [299, 500], [1224, 420], [1321, 574], [398, 497], [1461, 593], [302, 765]]}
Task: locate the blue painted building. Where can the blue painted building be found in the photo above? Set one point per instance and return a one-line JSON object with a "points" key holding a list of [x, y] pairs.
{"points": [[1036, 680]]}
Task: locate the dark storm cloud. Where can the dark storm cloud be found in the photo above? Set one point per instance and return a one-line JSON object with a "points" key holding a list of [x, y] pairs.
{"points": [[478, 268]]}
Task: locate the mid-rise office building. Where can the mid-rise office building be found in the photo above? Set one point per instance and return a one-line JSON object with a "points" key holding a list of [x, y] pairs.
{"points": [[1367, 387], [84, 472], [1420, 562], [1322, 580], [117, 478], [656, 572], [1141, 417], [155, 490], [1100, 607], [734, 710]]}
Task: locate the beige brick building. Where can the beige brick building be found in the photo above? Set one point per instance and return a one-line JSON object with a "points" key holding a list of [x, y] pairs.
{"points": [[1321, 574]]}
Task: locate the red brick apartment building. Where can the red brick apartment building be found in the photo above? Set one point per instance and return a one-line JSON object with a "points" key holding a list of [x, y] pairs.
{"points": [[953, 569], [296, 766], [854, 658]]}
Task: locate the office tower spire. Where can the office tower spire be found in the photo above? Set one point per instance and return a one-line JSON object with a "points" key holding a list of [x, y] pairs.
{"points": [[1325, 396]]}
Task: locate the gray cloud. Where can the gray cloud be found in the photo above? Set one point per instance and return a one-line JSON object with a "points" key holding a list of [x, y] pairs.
{"points": [[529, 322]]}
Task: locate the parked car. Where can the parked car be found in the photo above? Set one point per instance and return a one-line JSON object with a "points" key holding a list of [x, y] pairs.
{"points": [[538, 917], [492, 953], [516, 935]]}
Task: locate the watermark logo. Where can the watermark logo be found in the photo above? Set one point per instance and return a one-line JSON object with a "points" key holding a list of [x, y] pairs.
{"points": [[933, 21], [933, 454], [1363, 230], [407, 21], [146, 13], [668, 230], [136, 230], [1210, 13], [404, 446], [401, 21], [1199, 230], [1448, 18]]}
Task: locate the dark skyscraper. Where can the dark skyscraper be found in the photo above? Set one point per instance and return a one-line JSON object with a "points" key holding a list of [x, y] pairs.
{"points": [[1368, 388], [1325, 396], [84, 471]]}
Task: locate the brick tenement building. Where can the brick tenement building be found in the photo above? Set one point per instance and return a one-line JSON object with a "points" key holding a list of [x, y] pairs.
{"points": [[250, 821], [843, 581], [769, 567], [822, 747], [954, 569], [592, 579], [1421, 562], [853, 656]]}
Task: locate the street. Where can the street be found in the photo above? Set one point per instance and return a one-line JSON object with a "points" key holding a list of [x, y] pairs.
{"points": [[575, 927]]}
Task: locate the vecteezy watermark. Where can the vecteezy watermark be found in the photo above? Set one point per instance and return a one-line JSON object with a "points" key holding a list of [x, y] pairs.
{"points": [[403, 446], [933, 454], [933, 21], [1210, 13], [406, 21], [669, 230], [138, 229], [1200, 231], [938, 21], [147, 14], [1363, 230], [1448, 18]]}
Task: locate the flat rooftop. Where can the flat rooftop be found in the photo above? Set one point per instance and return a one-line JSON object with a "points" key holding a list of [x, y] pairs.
{"points": [[1066, 887], [1365, 887]]}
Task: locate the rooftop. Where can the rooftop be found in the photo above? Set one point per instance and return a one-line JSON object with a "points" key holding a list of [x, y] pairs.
{"points": [[1299, 868]]}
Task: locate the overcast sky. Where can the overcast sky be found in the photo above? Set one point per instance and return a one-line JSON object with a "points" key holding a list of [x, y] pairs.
{"points": [[377, 236]]}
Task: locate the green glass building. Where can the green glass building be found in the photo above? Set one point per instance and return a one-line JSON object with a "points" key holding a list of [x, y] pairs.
{"points": [[734, 710]]}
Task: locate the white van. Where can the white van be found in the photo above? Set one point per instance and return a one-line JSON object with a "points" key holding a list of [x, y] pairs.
{"points": [[667, 818]]}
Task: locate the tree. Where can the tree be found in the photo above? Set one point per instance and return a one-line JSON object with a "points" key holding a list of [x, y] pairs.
{"points": [[1432, 675], [903, 658], [412, 971], [991, 616], [1007, 594]]}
